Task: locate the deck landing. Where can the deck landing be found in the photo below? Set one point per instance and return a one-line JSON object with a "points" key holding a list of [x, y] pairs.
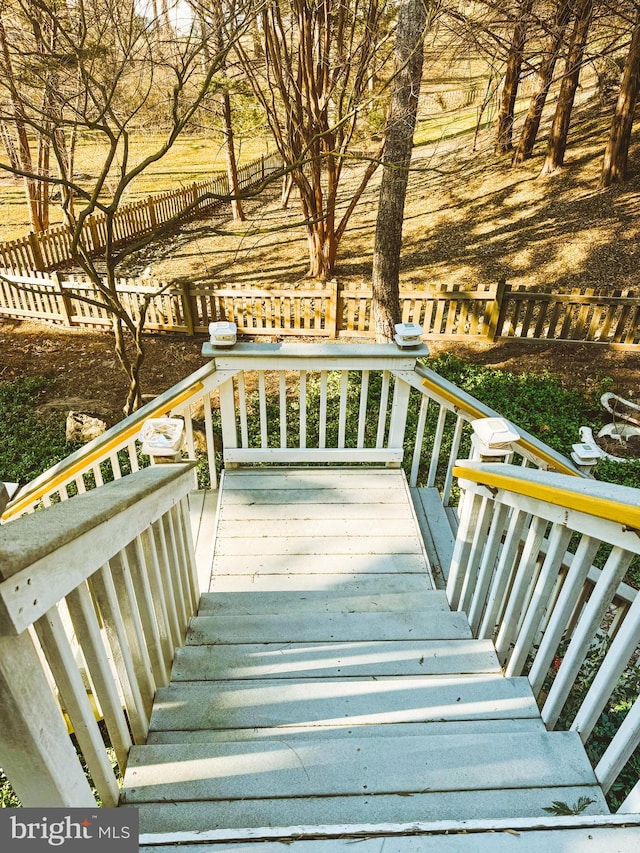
{"points": [[325, 682]]}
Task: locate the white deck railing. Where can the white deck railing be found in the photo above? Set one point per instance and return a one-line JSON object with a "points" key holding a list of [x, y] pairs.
{"points": [[94, 599], [527, 542], [517, 569], [282, 402]]}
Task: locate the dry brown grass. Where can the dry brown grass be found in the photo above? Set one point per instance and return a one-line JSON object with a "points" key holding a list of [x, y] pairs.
{"points": [[469, 218]]}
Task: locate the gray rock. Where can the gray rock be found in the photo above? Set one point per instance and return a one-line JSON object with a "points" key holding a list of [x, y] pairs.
{"points": [[82, 428]]}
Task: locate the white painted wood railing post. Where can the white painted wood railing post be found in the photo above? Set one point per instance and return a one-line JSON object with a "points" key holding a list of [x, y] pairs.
{"points": [[610, 579], [399, 411], [561, 616], [616, 659], [460, 560], [558, 543], [37, 755], [228, 416], [75, 699]]}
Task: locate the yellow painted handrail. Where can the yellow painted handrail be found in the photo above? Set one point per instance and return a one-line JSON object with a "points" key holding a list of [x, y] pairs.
{"points": [[116, 437], [620, 504], [464, 403]]}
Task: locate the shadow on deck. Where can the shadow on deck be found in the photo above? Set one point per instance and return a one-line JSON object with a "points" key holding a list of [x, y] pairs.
{"points": [[326, 683]]}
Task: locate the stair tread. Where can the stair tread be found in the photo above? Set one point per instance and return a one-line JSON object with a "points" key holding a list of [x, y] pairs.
{"points": [[317, 528], [323, 546], [599, 839], [317, 702], [355, 767], [199, 816], [345, 584], [330, 660], [303, 564], [294, 733], [328, 627], [346, 600]]}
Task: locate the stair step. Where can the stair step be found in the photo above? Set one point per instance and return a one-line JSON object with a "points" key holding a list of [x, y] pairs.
{"points": [[328, 627], [594, 839], [346, 584], [200, 816], [318, 528], [435, 529], [324, 546], [354, 767], [312, 478], [293, 733], [338, 600], [347, 494], [327, 702], [373, 512], [303, 564], [334, 660]]}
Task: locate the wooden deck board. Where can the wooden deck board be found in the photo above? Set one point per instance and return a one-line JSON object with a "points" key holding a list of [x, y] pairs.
{"points": [[348, 598], [349, 565], [334, 660], [326, 682], [326, 582], [324, 546], [618, 839], [346, 701], [365, 810], [372, 512], [343, 495], [335, 627], [293, 733], [355, 766], [319, 528]]}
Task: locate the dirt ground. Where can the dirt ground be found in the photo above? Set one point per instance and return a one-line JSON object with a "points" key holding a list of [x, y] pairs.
{"points": [[85, 375], [469, 218]]}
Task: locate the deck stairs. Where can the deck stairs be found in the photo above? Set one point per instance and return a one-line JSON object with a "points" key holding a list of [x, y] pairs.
{"points": [[325, 683]]}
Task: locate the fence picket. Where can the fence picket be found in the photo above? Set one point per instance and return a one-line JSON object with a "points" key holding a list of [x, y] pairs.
{"points": [[326, 310]]}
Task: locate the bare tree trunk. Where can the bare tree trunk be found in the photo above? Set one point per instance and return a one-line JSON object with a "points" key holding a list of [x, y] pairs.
{"points": [[614, 168], [232, 166], [24, 150], [512, 79], [545, 76], [385, 279], [9, 146], [566, 97], [312, 81], [227, 118]]}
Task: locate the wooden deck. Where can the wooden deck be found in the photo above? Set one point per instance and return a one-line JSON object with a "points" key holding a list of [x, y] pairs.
{"points": [[325, 683]]}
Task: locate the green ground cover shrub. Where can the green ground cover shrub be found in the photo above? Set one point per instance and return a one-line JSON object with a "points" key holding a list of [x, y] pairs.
{"points": [[30, 441], [540, 404], [616, 709]]}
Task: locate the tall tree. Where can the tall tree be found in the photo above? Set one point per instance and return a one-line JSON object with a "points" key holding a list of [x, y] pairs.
{"points": [[614, 167], [511, 83], [211, 18], [413, 19], [552, 49], [129, 78], [564, 106], [312, 79]]}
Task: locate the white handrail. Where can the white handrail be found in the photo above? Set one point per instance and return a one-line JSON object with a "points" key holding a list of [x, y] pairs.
{"points": [[91, 580], [526, 545], [306, 401]]}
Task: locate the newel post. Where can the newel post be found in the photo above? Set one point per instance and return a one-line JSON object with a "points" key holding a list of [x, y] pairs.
{"points": [[37, 754], [496, 310], [332, 315]]}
